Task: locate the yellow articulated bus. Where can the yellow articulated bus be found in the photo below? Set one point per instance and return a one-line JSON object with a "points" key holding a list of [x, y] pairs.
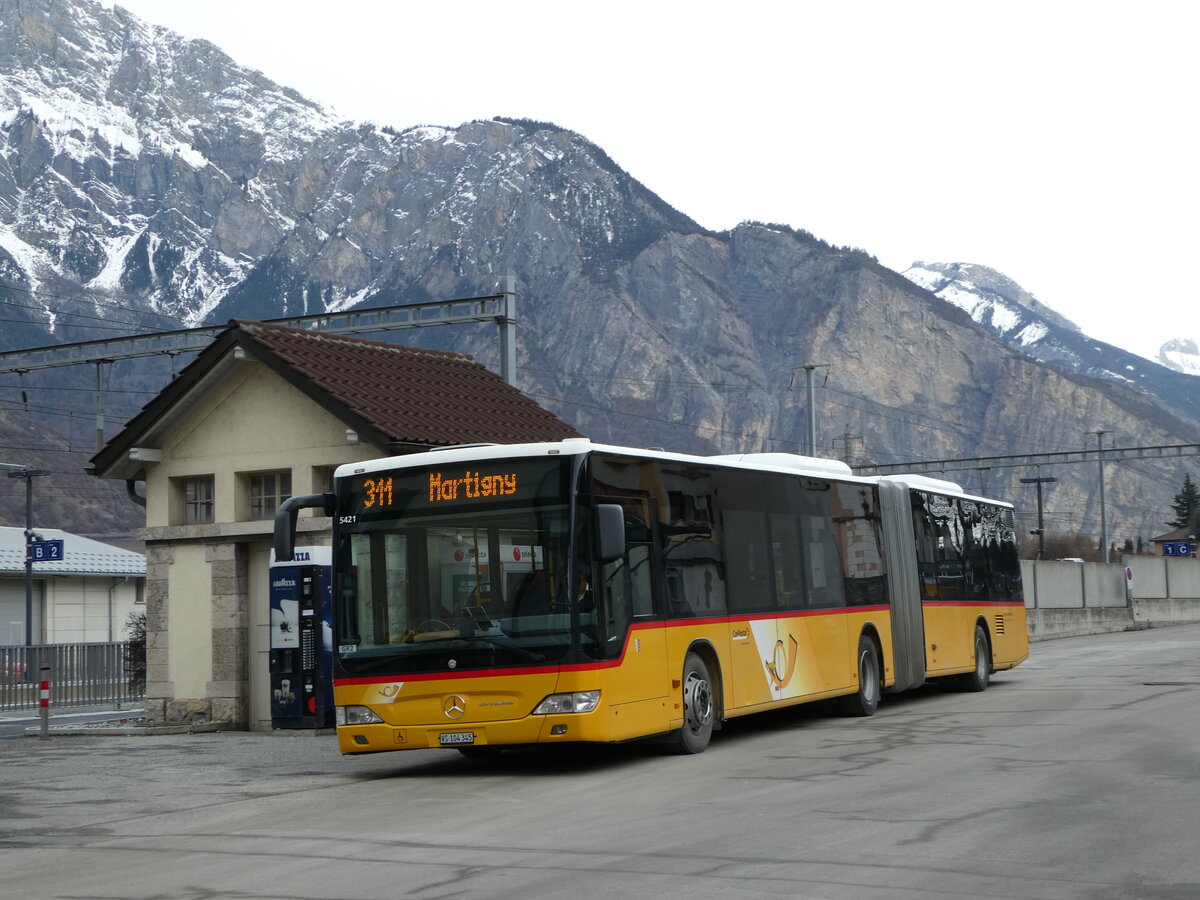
{"points": [[492, 596]]}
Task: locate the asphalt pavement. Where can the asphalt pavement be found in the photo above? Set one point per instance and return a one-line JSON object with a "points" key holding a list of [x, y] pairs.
{"points": [[15, 723]]}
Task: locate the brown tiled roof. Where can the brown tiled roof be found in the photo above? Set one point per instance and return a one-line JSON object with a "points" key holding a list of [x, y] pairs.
{"points": [[398, 398], [408, 395]]}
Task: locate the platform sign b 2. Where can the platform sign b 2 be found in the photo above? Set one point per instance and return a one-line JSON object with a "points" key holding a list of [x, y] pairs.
{"points": [[46, 551]]}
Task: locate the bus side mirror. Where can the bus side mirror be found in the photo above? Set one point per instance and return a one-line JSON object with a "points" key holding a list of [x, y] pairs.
{"points": [[285, 521], [610, 532]]}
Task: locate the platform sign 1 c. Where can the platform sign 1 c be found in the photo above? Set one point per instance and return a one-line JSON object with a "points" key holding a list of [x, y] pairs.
{"points": [[47, 551], [1177, 548]]}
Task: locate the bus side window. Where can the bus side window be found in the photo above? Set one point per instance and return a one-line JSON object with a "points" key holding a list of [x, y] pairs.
{"points": [[691, 542], [641, 595], [821, 558], [786, 556]]}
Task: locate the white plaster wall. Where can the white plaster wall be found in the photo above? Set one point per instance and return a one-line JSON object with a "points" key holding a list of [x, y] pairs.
{"points": [[277, 428], [189, 614], [81, 609]]}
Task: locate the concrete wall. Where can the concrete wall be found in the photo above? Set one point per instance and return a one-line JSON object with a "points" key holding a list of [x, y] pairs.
{"points": [[1068, 599], [1149, 577], [1183, 579], [1054, 584]]}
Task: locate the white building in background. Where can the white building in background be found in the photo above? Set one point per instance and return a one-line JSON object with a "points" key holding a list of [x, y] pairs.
{"points": [[84, 597]]}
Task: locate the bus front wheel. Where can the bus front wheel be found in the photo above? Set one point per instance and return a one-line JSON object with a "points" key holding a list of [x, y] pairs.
{"points": [[699, 709], [865, 700]]}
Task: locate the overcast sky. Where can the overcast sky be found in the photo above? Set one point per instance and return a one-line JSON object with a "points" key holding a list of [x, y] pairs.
{"points": [[1054, 141]]}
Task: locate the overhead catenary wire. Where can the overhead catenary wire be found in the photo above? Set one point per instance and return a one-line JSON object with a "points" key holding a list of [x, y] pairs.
{"points": [[90, 301]]}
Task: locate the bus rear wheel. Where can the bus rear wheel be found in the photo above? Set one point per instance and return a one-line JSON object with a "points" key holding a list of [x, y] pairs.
{"points": [[978, 679], [865, 700], [699, 709]]}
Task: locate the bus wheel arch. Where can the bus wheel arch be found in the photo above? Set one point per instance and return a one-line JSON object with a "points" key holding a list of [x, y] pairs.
{"points": [[700, 697], [869, 675]]}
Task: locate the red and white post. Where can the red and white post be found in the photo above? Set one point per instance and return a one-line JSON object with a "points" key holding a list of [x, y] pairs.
{"points": [[45, 702]]}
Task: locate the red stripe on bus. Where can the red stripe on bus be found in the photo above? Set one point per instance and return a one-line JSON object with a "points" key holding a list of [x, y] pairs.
{"points": [[598, 665]]}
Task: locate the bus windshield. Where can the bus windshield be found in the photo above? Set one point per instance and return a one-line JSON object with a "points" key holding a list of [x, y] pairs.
{"points": [[435, 578]]}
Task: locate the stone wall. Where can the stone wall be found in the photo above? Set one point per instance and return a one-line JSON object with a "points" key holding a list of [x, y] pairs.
{"points": [[225, 694]]}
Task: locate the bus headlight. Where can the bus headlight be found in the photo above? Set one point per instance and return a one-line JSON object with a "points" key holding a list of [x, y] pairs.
{"points": [[356, 715], [578, 702]]}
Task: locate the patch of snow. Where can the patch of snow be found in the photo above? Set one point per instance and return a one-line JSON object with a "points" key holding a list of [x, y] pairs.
{"points": [[348, 302], [1032, 333], [70, 121], [109, 278], [187, 153], [1181, 361], [969, 301], [925, 278], [29, 258], [1004, 318]]}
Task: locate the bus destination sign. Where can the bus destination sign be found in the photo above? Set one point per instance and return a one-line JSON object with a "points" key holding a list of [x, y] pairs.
{"points": [[433, 489], [379, 493], [472, 486]]}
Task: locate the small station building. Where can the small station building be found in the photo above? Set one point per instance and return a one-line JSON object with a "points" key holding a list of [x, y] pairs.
{"points": [[263, 413]]}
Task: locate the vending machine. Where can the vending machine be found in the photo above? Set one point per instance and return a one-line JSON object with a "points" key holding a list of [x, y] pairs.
{"points": [[301, 652]]}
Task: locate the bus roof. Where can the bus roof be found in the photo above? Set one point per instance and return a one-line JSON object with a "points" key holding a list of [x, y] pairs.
{"points": [[789, 463]]}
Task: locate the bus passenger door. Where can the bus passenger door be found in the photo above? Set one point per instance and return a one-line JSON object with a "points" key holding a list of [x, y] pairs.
{"points": [[635, 633], [629, 633]]}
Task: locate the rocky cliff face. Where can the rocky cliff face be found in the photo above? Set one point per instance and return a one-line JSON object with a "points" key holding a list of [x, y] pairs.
{"points": [[153, 181]]}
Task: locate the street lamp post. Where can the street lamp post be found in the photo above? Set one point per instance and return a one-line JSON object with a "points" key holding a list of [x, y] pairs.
{"points": [[1041, 529], [1100, 433], [28, 475]]}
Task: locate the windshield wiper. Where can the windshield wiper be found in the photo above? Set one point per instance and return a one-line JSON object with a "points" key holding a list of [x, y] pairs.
{"points": [[500, 645]]}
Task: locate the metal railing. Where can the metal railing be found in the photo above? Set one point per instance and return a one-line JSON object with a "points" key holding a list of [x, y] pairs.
{"points": [[79, 674]]}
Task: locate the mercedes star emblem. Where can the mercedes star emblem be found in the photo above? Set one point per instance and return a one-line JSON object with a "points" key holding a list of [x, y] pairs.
{"points": [[455, 707]]}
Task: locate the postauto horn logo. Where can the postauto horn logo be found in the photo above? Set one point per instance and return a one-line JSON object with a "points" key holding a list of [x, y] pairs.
{"points": [[783, 665]]}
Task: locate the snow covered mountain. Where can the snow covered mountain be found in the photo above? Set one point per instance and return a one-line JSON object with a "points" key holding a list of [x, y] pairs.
{"points": [[1181, 355], [132, 159], [1015, 316]]}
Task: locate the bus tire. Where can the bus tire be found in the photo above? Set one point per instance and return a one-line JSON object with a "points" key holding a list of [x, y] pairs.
{"points": [[865, 700], [699, 708], [977, 680]]}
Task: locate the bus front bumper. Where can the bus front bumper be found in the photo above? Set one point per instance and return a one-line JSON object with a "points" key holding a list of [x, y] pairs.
{"points": [[458, 735]]}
